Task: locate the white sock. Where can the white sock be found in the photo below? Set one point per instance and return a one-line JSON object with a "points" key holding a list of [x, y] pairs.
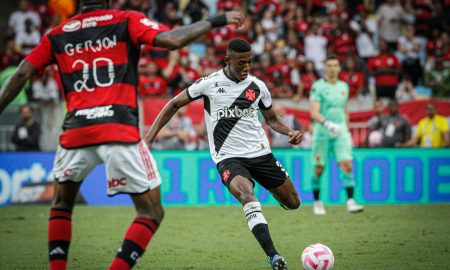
{"points": [[254, 214]]}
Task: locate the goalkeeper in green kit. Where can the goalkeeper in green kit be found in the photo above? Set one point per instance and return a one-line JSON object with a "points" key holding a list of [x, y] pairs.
{"points": [[330, 132]]}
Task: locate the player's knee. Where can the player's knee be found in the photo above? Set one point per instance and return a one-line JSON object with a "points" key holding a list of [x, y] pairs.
{"points": [[293, 203], [156, 212]]}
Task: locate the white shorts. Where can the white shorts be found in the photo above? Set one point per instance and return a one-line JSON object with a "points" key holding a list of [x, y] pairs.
{"points": [[130, 168]]}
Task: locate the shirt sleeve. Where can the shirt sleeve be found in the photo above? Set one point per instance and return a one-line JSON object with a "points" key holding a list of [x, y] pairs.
{"points": [[41, 56], [197, 89], [314, 95], [143, 30], [265, 103]]}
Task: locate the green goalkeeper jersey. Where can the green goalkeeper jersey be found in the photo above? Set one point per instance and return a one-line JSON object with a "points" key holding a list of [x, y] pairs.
{"points": [[332, 99]]}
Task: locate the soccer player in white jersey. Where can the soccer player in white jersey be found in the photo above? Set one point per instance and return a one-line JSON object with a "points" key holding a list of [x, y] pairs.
{"points": [[238, 144]]}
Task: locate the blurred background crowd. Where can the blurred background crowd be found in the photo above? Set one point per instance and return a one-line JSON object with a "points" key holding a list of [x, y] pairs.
{"points": [[392, 51]]}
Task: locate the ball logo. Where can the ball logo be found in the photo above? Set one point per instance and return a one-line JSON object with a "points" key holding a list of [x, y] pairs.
{"points": [[226, 174], [71, 26], [250, 94]]}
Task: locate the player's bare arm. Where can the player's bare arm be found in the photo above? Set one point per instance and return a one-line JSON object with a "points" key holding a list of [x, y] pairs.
{"points": [[181, 36], [275, 122], [165, 115], [14, 84]]}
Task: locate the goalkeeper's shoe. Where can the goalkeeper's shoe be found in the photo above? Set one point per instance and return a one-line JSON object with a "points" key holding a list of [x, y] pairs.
{"points": [[278, 263], [353, 207]]}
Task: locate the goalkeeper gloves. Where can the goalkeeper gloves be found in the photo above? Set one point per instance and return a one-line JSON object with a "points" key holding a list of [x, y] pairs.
{"points": [[333, 128]]}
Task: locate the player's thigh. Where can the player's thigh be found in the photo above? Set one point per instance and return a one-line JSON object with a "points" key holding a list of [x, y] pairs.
{"points": [[236, 177], [73, 165], [65, 194], [319, 151], [130, 168], [343, 148], [268, 171]]}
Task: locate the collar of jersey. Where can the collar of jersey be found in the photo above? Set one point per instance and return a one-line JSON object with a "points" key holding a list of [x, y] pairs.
{"points": [[229, 78]]}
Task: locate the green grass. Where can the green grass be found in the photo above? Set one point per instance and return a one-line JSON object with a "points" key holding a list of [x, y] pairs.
{"points": [[383, 237]]}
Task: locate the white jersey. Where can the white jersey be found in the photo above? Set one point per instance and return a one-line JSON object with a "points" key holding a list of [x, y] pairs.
{"points": [[231, 115]]}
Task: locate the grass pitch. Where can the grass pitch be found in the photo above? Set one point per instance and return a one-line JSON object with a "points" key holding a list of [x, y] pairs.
{"points": [[383, 237]]}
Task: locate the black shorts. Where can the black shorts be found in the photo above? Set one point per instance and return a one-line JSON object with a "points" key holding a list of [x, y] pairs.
{"points": [[266, 170]]}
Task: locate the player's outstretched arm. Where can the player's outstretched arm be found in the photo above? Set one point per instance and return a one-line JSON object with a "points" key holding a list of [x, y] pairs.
{"points": [[181, 36], [14, 84], [277, 124], [165, 115]]}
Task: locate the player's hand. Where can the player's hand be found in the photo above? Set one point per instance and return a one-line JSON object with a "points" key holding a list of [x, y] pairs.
{"points": [[333, 128], [295, 136], [234, 17]]}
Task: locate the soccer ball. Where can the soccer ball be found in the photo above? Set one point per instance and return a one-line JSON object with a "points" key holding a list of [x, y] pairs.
{"points": [[317, 257]]}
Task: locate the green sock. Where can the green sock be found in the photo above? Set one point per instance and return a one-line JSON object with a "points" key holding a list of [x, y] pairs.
{"points": [[348, 179]]}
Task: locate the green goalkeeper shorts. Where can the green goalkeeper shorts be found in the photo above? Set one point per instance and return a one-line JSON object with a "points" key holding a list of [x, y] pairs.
{"points": [[322, 147]]}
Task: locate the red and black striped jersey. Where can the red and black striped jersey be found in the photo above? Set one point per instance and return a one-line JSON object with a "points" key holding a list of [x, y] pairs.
{"points": [[97, 54]]}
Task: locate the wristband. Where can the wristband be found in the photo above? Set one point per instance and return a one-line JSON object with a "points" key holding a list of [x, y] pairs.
{"points": [[219, 20]]}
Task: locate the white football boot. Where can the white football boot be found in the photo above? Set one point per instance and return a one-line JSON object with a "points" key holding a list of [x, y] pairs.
{"points": [[318, 208], [353, 207]]}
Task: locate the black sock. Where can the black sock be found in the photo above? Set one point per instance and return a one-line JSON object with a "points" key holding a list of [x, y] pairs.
{"points": [[349, 192], [316, 193], [261, 233]]}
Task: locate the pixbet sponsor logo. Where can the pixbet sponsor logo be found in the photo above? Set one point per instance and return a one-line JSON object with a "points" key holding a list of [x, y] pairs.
{"points": [[115, 182], [235, 112]]}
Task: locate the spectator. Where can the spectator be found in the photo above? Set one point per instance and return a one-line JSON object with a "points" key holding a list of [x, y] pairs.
{"points": [[374, 126], [395, 129], [196, 10], [285, 76], [28, 39], [390, 16], [316, 48], [179, 133], [432, 131], [209, 63], [259, 39], [150, 83], [269, 25], [385, 68], [278, 140], [408, 53], [18, 18], [9, 56], [46, 92], [307, 78], [353, 77], [405, 91], [438, 78], [365, 29], [27, 132]]}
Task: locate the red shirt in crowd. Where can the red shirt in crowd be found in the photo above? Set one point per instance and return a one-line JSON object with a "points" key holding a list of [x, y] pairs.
{"points": [[354, 79], [307, 81], [155, 86], [343, 44], [381, 62]]}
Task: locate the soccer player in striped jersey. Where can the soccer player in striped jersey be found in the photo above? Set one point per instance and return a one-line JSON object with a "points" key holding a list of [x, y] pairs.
{"points": [[97, 52], [238, 144]]}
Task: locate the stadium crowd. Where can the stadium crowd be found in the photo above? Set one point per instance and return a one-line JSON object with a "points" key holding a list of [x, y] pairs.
{"points": [[398, 50]]}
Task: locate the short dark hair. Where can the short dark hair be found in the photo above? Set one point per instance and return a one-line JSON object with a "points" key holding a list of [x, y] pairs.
{"points": [[331, 57], [238, 45], [24, 106]]}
